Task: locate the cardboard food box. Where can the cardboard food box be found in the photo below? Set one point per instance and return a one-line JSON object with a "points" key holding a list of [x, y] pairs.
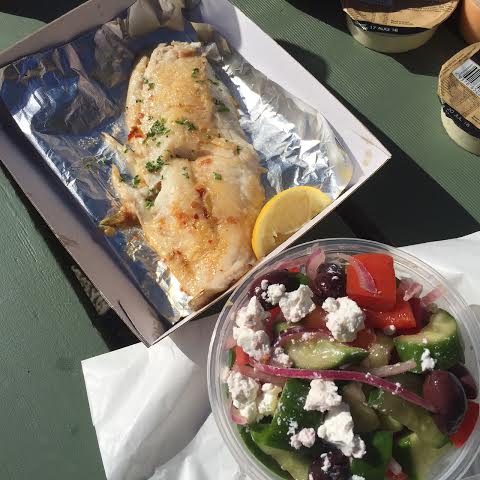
{"points": [[59, 209]]}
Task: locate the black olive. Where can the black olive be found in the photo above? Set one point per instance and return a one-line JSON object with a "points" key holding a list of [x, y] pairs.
{"points": [[291, 280], [445, 392], [329, 282], [338, 467], [466, 379]]}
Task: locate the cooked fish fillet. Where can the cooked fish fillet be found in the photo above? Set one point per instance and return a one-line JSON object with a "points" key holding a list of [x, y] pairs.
{"points": [[196, 188]]}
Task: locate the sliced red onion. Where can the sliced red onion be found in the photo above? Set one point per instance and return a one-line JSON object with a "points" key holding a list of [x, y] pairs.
{"points": [[291, 263], [433, 296], [365, 280], [260, 376], [346, 375], [236, 417], [409, 288], [297, 333], [396, 369], [316, 258]]}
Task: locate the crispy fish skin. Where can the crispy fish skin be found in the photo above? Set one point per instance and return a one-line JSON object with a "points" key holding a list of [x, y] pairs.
{"points": [[196, 191]]}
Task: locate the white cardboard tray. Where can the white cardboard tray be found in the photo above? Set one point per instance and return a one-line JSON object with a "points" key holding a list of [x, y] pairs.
{"points": [[56, 207]]}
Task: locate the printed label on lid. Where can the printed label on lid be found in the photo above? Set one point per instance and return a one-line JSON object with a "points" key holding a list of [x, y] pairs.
{"points": [[424, 15], [469, 74], [459, 89]]}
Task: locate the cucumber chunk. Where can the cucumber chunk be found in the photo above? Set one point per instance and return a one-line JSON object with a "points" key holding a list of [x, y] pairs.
{"points": [[441, 337], [290, 411], [320, 354], [379, 352], [416, 457], [365, 419], [295, 464], [374, 465], [261, 455], [411, 416]]}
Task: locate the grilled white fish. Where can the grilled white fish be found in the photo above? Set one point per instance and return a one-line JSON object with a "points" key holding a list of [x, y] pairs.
{"points": [[196, 189]]}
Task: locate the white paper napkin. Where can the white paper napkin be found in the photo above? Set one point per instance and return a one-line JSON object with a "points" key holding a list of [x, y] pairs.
{"points": [[150, 407]]}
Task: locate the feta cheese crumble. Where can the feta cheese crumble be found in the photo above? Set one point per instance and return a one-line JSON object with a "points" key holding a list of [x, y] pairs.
{"points": [[255, 343], [428, 363], [264, 284], [280, 358], [357, 477], [305, 437], [274, 293], [268, 399], [322, 395], [344, 318], [249, 316], [243, 391], [326, 462], [338, 429], [292, 426], [297, 304]]}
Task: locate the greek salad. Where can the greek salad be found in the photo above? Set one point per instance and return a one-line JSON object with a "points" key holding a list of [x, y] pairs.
{"points": [[339, 370]]}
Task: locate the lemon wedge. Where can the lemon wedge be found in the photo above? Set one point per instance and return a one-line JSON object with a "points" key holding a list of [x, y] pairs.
{"points": [[284, 214]]}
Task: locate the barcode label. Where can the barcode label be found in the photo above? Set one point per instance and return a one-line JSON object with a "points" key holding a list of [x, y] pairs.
{"points": [[469, 74]]}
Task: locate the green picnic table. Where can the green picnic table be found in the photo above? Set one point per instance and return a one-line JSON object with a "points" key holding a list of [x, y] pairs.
{"points": [[428, 191]]}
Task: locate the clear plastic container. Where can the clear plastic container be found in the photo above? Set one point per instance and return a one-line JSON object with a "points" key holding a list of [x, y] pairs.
{"points": [[453, 465]]}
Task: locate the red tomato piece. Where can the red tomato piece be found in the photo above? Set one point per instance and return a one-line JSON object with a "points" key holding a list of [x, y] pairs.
{"points": [[467, 426], [380, 267], [401, 317], [275, 316], [419, 312], [241, 358], [316, 319], [294, 269], [364, 339]]}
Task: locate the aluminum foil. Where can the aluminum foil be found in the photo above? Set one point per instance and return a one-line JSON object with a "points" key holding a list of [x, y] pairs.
{"points": [[70, 99]]}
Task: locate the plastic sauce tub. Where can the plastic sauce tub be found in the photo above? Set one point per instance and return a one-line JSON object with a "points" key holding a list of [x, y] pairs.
{"points": [[450, 467]]}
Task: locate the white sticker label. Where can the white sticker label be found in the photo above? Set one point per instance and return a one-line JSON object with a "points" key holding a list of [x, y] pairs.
{"points": [[469, 74]]}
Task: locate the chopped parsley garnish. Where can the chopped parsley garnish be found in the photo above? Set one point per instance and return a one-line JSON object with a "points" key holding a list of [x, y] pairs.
{"points": [[150, 85], [148, 203], [145, 80], [217, 176], [156, 166], [213, 81], [221, 107], [238, 149], [158, 128], [185, 173], [125, 151], [136, 181], [195, 72], [139, 100], [150, 117], [187, 123], [88, 165], [122, 177]]}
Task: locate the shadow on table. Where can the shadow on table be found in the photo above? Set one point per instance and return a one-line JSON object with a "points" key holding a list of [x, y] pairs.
{"points": [[38, 10], [114, 332], [426, 60], [401, 204]]}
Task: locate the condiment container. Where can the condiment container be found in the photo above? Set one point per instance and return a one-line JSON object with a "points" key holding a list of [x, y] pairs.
{"points": [[469, 20], [391, 26], [459, 92]]}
